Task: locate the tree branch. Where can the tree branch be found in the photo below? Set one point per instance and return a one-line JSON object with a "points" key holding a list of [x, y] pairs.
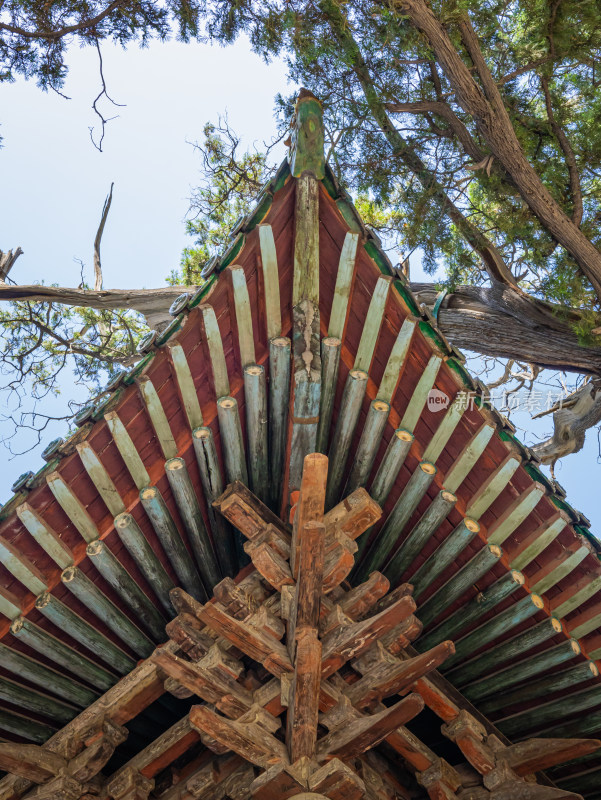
{"points": [[58, 34], [98, 239]]}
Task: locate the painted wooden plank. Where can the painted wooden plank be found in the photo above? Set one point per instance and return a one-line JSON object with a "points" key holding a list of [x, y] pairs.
{"points": [[28, 699], [187, 390], [372, 324], [551, 713], [330, 361], [45, 536], [468, 457], [100, 478], [72, 507], [271, 281], [158, 418], [306, 241], [561, 571], [342, 290], [128, 450], [515, 514], [492, 487], [24, 727], [396, 360], [541, 539], [246, 339], [445, 430], [221, 382], [575, 601], [420, 394]]}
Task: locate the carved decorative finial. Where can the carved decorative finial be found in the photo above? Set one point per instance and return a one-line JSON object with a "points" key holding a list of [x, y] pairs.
{"points": [[307, 139]]}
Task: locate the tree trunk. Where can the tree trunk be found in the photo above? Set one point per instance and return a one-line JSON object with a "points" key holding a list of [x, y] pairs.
{"points": [[499, 322]]}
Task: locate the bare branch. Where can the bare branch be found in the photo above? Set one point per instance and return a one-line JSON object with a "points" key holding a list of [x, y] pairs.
{"points": [[98, 239], [7, 262]]}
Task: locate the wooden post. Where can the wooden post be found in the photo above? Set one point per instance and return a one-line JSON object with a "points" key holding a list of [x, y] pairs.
{"points": [[77, 628], [516, 673], [279, 401], [444, 555], [212, 484], [37, 673], [459, 583], [475, 609], [231, 440], [122, 582], [398, 518], [422, 531], [510, 649], [189, 509], [52, 648], [330, 361], [171, 541], [311, 502], [255, 395], [139, 548], [369, 443], [90, 595]]}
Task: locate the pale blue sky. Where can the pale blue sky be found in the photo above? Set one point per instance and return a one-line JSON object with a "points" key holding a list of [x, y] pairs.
{"points": [[54, 182]]}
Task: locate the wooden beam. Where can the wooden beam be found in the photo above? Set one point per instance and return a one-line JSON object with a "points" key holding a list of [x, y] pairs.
{"points": [[171, 541], [101, 479], [232, 442], [492, 487], [271, 281], [422, 532], [194, 524], [444, 555], [534, 544], [214, 342], [372, 324], [515, 514], [279, 402], [157, 415], [185, 384], [246, 339], [468, 457], [330, 362], [255, 397], [369, 443], [349, 741], [420, 394], [445, 430], [72, 507], [342, 290], [45, 536], [311, 501], [127, 450]]}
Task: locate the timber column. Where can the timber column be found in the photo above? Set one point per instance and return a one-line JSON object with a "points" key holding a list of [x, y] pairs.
{"points": [[307, 165]]}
